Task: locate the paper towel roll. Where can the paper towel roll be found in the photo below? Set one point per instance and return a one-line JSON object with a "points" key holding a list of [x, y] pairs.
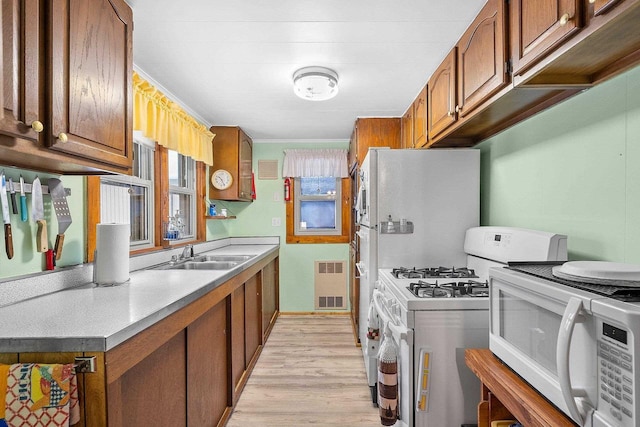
{"points": [[112, 254]]}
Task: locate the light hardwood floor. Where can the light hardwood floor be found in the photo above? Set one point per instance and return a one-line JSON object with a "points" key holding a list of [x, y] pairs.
{"points": [[309, 373]]}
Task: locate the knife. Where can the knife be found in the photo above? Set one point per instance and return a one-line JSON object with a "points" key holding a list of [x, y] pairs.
{"points": [[23, 201], [8, 238], [37, 213], [14, 203]]}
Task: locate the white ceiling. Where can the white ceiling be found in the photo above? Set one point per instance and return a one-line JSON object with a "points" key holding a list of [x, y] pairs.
{"points": [[230, 62]]}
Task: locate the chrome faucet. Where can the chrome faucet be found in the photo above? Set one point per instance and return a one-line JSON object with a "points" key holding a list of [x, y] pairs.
{"points": [[187, 252]]}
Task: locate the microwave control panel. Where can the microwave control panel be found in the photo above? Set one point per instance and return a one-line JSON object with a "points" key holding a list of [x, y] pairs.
{"points": [[616, 384]]}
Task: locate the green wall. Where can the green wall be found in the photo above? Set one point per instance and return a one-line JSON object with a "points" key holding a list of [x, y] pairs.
{"points": [[573, 169], [255, 219], [26, 260]]}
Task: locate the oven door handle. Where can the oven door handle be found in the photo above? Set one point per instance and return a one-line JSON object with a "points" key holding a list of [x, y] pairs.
{"points": [[569, 319], [383, 312]]}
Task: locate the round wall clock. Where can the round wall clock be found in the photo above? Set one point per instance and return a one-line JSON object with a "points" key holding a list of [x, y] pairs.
{"points": [[221, 179]]}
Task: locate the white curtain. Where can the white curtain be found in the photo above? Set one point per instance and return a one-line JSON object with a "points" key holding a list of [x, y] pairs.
{"points": [[325, 162]]}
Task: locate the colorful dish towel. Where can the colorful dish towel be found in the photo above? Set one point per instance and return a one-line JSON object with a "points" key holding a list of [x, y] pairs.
{"points": [[36, 395]]}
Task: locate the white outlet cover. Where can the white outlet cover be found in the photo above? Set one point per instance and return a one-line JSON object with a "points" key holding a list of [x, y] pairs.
{"points": [[275, 222]]}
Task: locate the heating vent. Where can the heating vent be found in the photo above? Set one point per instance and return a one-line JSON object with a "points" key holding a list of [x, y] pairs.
{"points": [[267, 169], [330, 281]]}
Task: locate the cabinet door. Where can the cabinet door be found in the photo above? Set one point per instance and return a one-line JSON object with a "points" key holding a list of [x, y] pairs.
{"points": [[442, 96], [20, 69], [238, 363], [252, 317], [406, 129], [269, 296], [245, 166], [481, 57], [90, 82], [207, 387], [538, 26], [153, 392], [420, 119]]}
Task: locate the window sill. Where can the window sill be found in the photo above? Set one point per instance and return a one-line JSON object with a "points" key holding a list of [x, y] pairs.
{"points": [[220, 217]]}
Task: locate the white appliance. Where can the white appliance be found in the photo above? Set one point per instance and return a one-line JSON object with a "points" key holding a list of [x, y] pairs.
{"points": [[436, 313], [435, 192], [575, 341]]}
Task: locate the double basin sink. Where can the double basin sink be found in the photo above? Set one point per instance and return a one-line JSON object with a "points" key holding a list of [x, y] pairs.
{"points": [[207, 262]]}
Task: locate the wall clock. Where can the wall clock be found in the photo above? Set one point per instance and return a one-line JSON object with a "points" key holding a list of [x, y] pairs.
{"points": [[221, 179]]}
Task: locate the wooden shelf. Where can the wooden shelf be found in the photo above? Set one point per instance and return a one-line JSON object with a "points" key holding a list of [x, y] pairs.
{"points": [[505, 395], [220, 217]]}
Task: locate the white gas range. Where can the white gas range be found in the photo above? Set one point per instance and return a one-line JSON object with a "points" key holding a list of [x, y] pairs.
{"points": [[433, 320]]}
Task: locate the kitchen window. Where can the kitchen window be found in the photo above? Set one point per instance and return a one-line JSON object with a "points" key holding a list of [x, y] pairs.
{"points": [[182, 195], [317, 206], [130, 199]]}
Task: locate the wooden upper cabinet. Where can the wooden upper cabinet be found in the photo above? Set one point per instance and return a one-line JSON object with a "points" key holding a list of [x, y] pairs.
{"points": [[233, 152], [91, 63], [67, 98], [539, 26], [406, 129], [420, 119], [442, 96], [374, 132], [482, 57], [21, 52]]}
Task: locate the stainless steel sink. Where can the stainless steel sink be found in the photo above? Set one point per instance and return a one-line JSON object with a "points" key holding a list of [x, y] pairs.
{"points": [[229, 258], [209, 265]]}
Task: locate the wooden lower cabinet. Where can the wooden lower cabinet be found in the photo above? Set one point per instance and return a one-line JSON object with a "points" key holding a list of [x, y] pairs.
{"points": [[188, 369], [207, 391], [154, 391], [270, 291], [252, 318]]}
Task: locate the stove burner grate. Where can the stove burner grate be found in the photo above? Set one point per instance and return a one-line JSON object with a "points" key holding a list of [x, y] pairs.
{"points": [[433, 273], [468, 288]]}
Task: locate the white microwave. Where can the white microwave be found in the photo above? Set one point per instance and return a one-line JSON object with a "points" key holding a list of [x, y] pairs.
{"points": [[580, 350]]}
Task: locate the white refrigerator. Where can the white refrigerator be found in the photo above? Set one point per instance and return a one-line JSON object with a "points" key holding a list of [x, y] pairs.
{"points": [[436, 192]]}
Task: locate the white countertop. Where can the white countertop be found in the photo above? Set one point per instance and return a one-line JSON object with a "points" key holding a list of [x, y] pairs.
{"points": [[91, 318]]}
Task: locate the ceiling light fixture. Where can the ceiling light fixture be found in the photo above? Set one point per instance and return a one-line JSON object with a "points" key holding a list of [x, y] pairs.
{"points": [[315, 83]]}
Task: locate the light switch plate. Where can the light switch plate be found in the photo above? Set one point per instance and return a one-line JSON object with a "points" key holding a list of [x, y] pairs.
{"points": [[275, 221], [276, 196]]}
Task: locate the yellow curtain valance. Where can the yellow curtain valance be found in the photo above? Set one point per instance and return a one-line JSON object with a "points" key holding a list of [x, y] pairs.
{"points": [[166, 122]]}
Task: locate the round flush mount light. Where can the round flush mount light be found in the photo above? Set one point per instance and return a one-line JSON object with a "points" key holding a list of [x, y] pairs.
{"points": [[315, 83]]}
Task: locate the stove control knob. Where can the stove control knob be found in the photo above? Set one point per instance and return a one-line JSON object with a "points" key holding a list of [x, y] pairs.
{"points": [[381, 287]]}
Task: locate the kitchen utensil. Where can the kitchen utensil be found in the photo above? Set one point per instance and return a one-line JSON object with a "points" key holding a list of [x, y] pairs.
{"points": [[23, 201], [37, 213], [59, 201], [12, 192], [8, 238]]}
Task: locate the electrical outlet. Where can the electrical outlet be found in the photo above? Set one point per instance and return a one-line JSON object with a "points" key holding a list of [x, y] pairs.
{"points": [[276, 196], [275, 221]]}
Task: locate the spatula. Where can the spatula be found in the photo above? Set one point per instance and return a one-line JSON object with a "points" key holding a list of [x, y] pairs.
{"points": [[59, 202]]}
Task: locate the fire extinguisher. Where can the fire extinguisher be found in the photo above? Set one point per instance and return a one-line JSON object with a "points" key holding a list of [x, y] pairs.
{"points": [[287, 189]]}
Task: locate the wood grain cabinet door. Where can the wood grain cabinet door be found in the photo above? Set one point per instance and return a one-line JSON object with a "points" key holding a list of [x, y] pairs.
{"points": [[238, 363], [539, 26], [252, 317], [245, 166], [420, 119], [482, 57], [406, 129], [207, 387], [90, 80], [21, 56], [442, 96]]}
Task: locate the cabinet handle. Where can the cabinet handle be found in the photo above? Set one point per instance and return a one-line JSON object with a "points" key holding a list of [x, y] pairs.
{"points": [[37, 126], [62, 137], [592, 1], [458, 108], [450, 113], [564, 19]]}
